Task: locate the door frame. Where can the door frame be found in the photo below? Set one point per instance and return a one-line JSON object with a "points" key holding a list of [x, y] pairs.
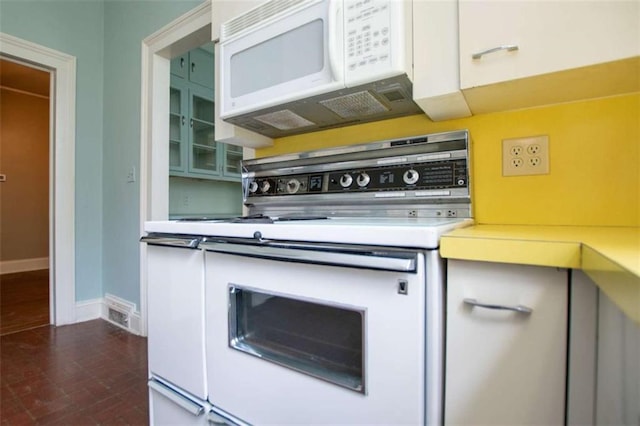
{"points": [[187, 32], [62, 134]]}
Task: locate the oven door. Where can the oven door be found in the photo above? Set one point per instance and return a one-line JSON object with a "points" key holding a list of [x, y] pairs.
{"points": [[316, 335]]}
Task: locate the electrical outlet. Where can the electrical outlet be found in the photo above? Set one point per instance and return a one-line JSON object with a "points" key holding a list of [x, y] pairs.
{"points": [[525, 156]]}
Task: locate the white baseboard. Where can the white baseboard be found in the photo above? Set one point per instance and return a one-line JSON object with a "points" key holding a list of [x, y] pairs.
{"points": [[88, 310], [23, 265]]}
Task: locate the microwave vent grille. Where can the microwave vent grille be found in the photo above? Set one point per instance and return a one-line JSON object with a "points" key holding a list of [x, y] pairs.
{"points": [[284, 120], [355, 105], [259, 15]]}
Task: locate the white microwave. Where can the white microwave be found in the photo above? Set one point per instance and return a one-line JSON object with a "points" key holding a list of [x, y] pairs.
{"points": [[295, 66]]}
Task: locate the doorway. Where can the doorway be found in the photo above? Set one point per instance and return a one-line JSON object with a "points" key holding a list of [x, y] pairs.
{"points": [[24, 196], [61, 175]]}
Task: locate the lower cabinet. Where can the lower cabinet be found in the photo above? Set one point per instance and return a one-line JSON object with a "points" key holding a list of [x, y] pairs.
{"points": [[506, 346]]}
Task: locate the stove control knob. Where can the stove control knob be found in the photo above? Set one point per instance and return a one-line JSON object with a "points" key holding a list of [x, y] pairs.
{"points": [[265, 186], [293, 186], [346, 180], [363, 179], [410, 177], [253, 187]]}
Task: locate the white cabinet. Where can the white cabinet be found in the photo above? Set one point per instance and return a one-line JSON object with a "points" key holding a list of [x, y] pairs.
{"points": [[618, 368], [512, 41], [505, 366], [436, 75], [604, 359]]}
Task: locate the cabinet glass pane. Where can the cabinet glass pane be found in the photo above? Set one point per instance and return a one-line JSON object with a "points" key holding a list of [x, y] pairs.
{"points": [[174, 127], [202, 109], [175, 106], [202, 133], [233, 157], [205, 158], [175, 156]]}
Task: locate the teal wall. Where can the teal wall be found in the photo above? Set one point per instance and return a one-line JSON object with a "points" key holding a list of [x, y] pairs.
{"points": [[105, 36], [206, 198], [126, 24], [75, 28]]}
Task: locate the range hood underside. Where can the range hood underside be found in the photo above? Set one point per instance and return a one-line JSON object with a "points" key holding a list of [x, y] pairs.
{"points": [[380, 100]]}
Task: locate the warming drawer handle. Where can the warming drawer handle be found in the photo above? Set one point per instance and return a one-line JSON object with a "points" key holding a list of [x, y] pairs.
{"points": [[521, 309], [185, 403], [172, 241], [378, 260], [218, 420], [507, 47]]}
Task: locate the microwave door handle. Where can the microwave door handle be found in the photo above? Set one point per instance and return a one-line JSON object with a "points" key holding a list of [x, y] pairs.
{"points": [[335, 26]]}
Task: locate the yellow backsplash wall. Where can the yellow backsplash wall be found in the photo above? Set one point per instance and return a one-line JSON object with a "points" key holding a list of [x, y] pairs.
{"points": [[594, 149]]}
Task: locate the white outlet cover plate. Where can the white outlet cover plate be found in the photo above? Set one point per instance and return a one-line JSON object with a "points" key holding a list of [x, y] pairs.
{"points": [[534, 154]]}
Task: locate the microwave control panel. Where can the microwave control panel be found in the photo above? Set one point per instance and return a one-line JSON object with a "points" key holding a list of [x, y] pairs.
{"points": [[368, 36]]}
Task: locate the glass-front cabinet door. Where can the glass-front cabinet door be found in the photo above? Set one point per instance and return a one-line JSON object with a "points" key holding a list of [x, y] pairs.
{"points": [[204, 149], [177, 128], [232, 160], [193, 151]]}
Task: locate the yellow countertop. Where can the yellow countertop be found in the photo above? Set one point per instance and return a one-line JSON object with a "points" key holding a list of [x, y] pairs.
{"points": [[609, 255]]}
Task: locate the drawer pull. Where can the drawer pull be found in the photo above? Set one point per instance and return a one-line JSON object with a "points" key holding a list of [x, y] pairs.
{"points": [[508, 48], [521, 309]]}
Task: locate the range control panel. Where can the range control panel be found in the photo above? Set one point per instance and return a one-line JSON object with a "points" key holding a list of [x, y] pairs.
{"points": [[424, 169], [423, 176]]}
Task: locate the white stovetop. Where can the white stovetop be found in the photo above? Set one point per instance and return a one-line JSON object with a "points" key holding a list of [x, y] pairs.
{"points": [[396, 232]]}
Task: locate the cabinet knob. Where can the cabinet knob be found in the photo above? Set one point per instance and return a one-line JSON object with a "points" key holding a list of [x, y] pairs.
{"points": [[507, 47]]}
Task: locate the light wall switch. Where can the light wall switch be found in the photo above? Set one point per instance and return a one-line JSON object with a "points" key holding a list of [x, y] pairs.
{"points": [[525, 156], [131, 175]]}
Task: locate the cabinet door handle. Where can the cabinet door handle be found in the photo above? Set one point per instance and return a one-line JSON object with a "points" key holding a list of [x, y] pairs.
{"points": [[191, 123], [521, 309], [193, 67], [183, 120], [507, 47], [181, 62]]}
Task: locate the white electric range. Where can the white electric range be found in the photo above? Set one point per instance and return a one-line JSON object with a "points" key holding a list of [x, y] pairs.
{"points": [[326, 303]]}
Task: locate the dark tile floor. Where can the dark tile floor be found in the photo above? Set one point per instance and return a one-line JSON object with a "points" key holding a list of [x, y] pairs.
{"points": [[91, 373], [24, 300]]}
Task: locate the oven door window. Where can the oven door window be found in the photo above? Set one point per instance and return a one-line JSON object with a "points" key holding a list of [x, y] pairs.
{"points": [[323, 341]]}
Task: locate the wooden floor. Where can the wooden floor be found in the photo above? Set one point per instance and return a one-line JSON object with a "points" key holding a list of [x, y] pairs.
{"points": [[91, 373], [24, 301]]}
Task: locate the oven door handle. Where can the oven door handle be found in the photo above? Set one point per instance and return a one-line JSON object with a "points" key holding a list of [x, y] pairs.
{"points": [[171, 240], [386, 260]]}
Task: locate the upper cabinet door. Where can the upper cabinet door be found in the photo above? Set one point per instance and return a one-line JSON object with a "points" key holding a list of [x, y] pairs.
{"points": [[180, 66], [201, 68], [506, 40]]}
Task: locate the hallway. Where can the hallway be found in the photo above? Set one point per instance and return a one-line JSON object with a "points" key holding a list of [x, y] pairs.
{"points": [[24, 301], [82, 374]]}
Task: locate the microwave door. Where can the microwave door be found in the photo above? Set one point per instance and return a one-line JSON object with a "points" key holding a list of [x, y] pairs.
{"points": [[280, 60]]}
